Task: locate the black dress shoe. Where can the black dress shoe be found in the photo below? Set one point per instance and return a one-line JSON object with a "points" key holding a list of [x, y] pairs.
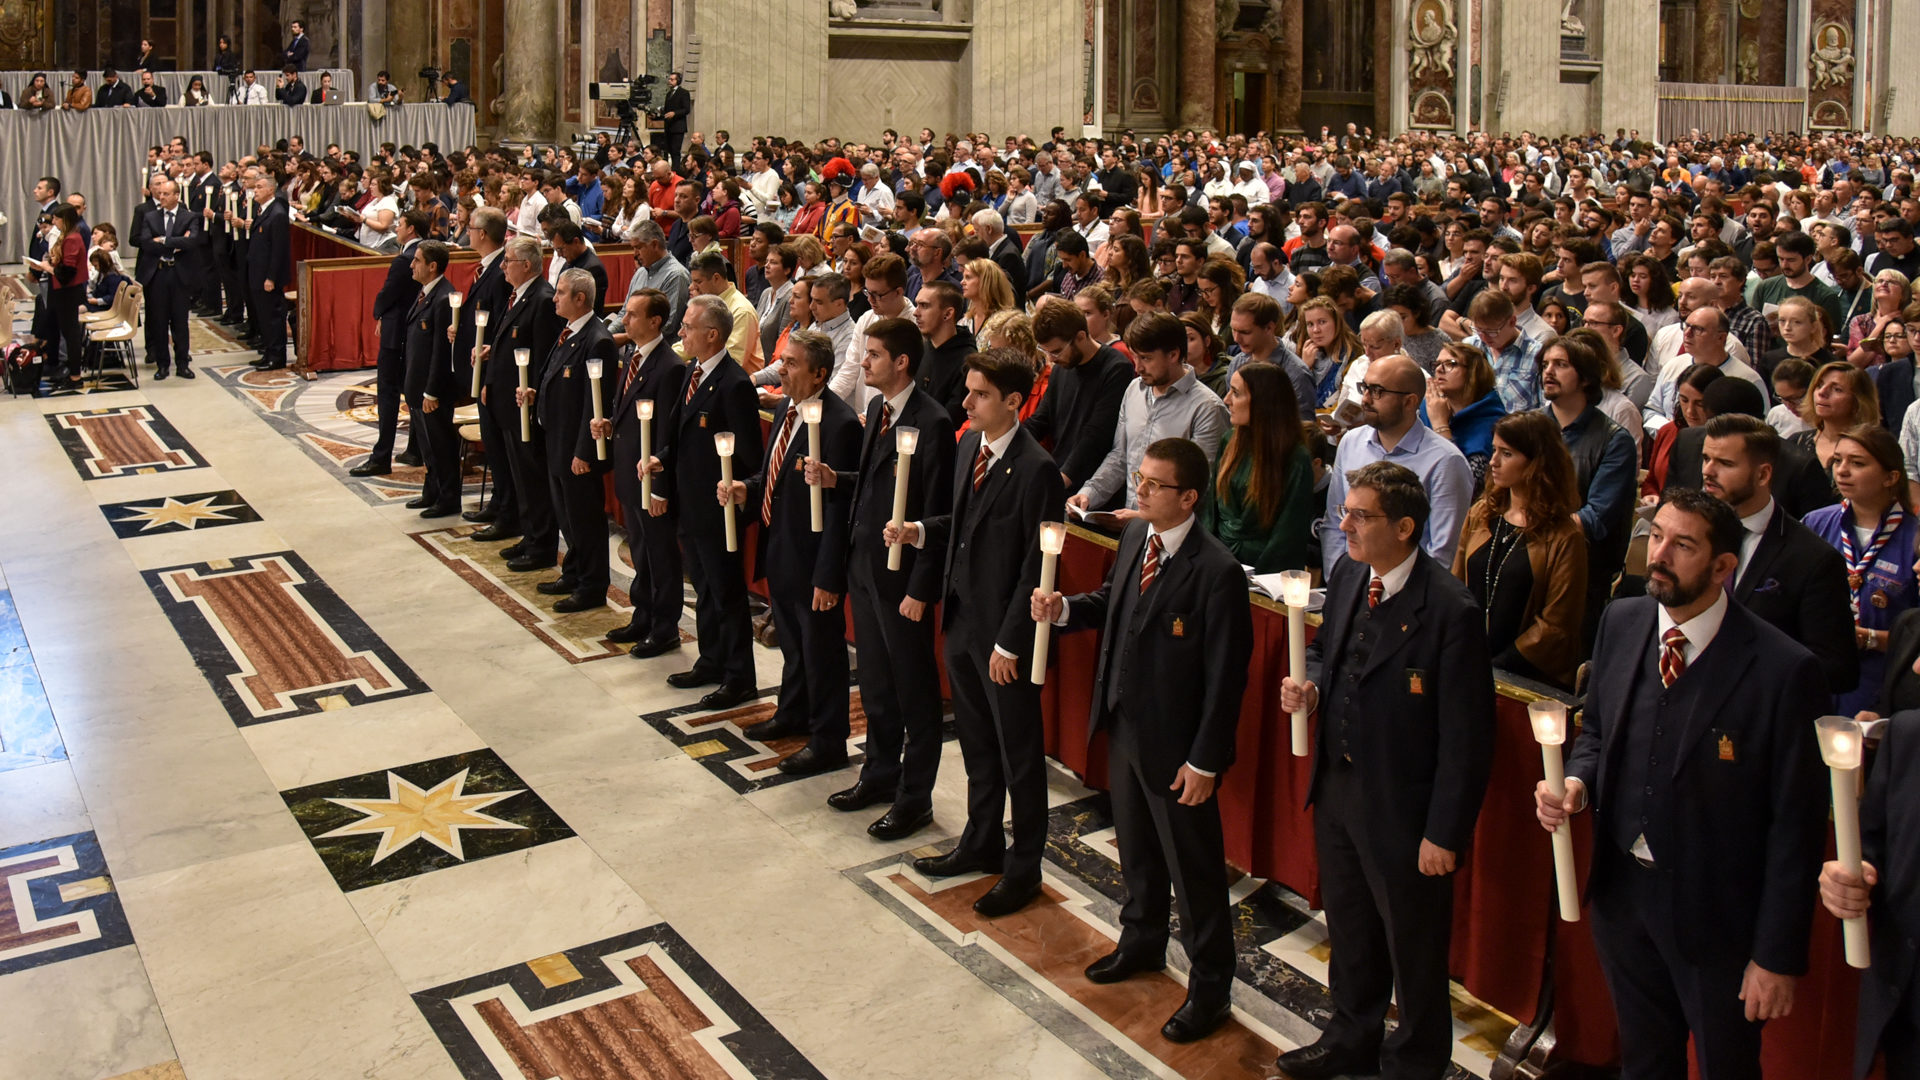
{"points": [[371, 468], [483, 515], [567, 605], [727, 695], [187, 372], [158, 376], [493, 532], [259, 365], [1117, 966], [623, 635], [560, 586], [440, 511], [807, 761], [420, 503], [861, 795], [654, 647], [1323, 1061], [687, 680], [527, 564], [407, 459], [953, 864], [276, 365], [1006, 897], [513, 551], [776, 728], [1196, 1019], [898, 824]]}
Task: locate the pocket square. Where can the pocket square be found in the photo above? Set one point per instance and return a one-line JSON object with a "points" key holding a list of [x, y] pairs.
{"points": [[1769, 585]]}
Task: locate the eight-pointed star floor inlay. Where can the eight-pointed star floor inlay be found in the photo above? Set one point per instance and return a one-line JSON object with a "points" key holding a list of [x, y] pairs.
{"points": [[409, 813], [178, 513]]}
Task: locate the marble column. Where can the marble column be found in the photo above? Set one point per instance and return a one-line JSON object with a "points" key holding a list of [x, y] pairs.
{"points": [[1289, 66], [1630, 83], [1903, 43], [1710, 61], [527, 74], [1199, 64]]}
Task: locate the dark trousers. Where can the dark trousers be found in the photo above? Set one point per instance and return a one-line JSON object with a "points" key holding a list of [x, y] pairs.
{"points": [[1165, 845], [813, 666], [671, 141], [233, 274], [62, 334], [539, 528], [1003, 746], [899, 688], [270, 306], [439, 449], [167, 302], [1661, 996], [390, 379], [206, 274], [504, 500], [1389, 926], [580, 502], [659, 590], [720, 617], [1900, 1039]]}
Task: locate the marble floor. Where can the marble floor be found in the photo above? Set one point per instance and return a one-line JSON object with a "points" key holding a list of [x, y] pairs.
{"points": [[294, 784]]}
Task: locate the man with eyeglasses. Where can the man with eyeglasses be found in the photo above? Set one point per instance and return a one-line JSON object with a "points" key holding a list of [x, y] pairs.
{"points": [[1391, 431], [1749, 327], [1608, 321], [1706, 343], [886, 283], [1164, 401], [1515, 356], [1669, 341]]}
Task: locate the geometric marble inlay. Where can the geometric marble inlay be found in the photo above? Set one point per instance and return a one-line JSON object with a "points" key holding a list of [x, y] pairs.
{"points": [[412, 819], [643, 1004], [274, 641], [122, 442], [178, 513], [57, 903]]}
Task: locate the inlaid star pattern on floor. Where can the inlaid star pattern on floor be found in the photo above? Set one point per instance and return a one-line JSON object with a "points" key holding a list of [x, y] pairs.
{"points": [[436, 815], [178, 513]]}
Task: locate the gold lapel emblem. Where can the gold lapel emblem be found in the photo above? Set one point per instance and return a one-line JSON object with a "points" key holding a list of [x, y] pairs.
{"points": [[1416, 683], [1179, 628], [1726, 748]]}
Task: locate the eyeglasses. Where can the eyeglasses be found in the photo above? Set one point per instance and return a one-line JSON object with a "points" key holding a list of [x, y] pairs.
{"points": [[1689, 329], [1359, 517], [1150, 487], [1368, 389], [1446, 365]]}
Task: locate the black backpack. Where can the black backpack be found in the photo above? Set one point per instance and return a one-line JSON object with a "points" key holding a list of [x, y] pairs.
{"points": [[21, 365]]}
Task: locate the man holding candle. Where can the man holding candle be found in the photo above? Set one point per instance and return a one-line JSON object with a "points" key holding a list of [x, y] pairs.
{"points": [[433, 381], [390, 306], [1176, 601], [563, 397], [1698, 751], [487, 236], [805, 571], [652, 374], [719, 397], [899, 672], [527, 321], [1402, 677], [1004, 485]]}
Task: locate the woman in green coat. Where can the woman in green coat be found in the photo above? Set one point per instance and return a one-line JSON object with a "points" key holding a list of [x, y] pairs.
{"points": [[1261, 504]]}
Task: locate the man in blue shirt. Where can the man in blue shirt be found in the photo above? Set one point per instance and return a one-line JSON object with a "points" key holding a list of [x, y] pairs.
{"points": [[1515, 356]]}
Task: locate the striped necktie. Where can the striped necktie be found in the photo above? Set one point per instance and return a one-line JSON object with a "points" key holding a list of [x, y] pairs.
{"points": [[1673, 663], [1376, 592], [1150, 565], [693, 380], [777, 463], [980, 462]]}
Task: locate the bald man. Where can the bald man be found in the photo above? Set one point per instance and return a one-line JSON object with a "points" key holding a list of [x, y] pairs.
{"points": [[1689, 295]]}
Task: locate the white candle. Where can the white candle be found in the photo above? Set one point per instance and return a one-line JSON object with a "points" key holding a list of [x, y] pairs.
{"points": [[905, 441], [1840, 746], [521, 358], [1053, 540], [594, 370], [479, 334], [810, 415], [453, 301], [723, 445], [1296, 589], [1549, 719], [645, 408]]}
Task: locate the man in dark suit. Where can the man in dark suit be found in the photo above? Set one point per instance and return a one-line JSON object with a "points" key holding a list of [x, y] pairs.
{"points": [[527, 322], [202, 195], [113, 93], [390, 307], [1176, 601], [1886, 892], [991, 229], [649, 371], [675, 111], [169, 239], [1800, 483], [1400, 672], [1787, 575], [892, 627], [237, 214], [487, 236], [292, 91], [433, 382], [1698, 751], [719, 397], [805, 571], [1004, 485], [269, 267], [563, 397], [294, 56], [570, 244], [456, 91]]}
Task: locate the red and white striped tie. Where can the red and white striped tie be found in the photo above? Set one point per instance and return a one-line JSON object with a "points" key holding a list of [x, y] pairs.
{"points": [[776, 463], [693, 380], [886, 419], [1150, 565], [980, 461], [1376, 592], [1673, 663]]}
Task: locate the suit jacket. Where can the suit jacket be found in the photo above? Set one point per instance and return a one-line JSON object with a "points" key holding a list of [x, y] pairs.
{"points": [[724, 401], [155, 242], [1894, 380], [431, 366], [1426, 693], [680, 104], [1890, 841], [489, 293], [458, 95], [790, 552], [268, 254], [294, 93], [395, 298], [533, 325], [1799, 483], [1798, 582], [112, 96], [1748, 829], [565, 398], [1196, 619], [296, 53], [661, 379], [929, 492], [197, 193], [991, 541], [591, 263], [1006, 254]]}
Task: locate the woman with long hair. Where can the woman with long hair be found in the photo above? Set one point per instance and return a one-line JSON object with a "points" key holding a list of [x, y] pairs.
{"points": [[1221, 282], [1874, 528], [1841, 398], [1014, 330], [1096, 302], [1462, 405], [1653, 299], [1261, 503], [1892, 292], [813, 209], [1689, 410], [857, 256], [987, 292], [1803, 332], [1205, 354], [66, 268], [1523, 555], [1128, 261], [1330, 345]]}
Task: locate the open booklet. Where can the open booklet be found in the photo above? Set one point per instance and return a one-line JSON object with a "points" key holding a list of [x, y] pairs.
{"points": [[1099, 519]]}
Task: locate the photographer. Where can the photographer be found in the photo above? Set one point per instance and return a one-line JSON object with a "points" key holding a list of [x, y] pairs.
{"points": [[383, 92]]}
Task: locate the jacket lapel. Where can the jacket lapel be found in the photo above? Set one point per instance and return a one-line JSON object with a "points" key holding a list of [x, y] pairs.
{"points": [[1764, 553], [1720, 665], [1168, 581], [1397, 630]]}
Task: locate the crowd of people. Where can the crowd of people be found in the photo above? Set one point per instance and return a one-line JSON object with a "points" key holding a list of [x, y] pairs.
{"points": [[1523, 404]]}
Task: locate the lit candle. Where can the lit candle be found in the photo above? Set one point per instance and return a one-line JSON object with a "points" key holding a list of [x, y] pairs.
{"points": [[810, 414], [905, 441], [453, 301], [521, 358], [479, 335], [723, 445], [645, 407], [1296, 588], [1840, 745], [1053, 540], [594, 370], [1549, 719]]}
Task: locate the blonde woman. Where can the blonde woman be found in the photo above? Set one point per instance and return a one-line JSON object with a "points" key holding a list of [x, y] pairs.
{"points": [[985, 288]]}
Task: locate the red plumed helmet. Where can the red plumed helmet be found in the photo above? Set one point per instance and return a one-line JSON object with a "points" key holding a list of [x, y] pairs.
{"points": [[952, 182], [838, 169]]}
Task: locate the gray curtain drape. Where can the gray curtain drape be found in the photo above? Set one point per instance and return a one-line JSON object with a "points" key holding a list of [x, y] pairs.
{"points": [[101, 153], [176, 81], [1725, 108]]}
